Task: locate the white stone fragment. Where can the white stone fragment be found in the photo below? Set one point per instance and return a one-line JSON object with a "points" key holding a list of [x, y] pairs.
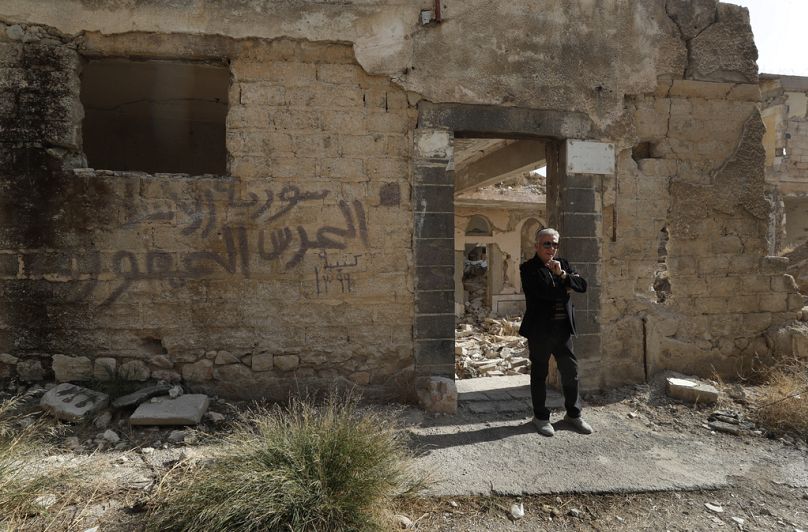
{"points": [[437, 394], [691, 391], [517, 510]]}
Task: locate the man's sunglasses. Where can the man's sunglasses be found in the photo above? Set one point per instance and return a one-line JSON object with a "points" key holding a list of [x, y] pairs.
{"points": [[548, 245]]}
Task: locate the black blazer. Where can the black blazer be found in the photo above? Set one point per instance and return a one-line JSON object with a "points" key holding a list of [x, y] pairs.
{"points": [[542, 290]]}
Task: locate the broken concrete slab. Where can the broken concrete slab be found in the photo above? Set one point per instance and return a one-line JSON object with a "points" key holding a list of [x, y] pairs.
{"points": [[141, 395], [691, 391], [184, 410], [73, 403]]}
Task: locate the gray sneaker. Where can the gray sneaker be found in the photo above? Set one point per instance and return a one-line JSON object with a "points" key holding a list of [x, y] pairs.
{"points": [[579, 424], [544, 426]]}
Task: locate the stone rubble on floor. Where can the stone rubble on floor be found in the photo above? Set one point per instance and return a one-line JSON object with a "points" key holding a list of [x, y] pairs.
{"points": [[492, 348], [184, 410], [69, 402], [691, 390]]}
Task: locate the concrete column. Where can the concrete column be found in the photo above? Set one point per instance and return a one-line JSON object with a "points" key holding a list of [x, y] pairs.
{"points": [[578, 205], [433, 191]]}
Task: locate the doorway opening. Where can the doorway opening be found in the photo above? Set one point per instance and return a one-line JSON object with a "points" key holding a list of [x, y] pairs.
{"points": [[499, 197]]}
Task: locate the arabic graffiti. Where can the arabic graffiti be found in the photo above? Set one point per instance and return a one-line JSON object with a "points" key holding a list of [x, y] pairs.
{"points": [[324, 276], [247, 232]]}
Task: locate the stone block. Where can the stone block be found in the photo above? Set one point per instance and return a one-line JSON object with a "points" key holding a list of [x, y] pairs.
{"points": [[783, 283], [263, 362], [144, 394], [186, 409], [225, 357], [433, 144], [725, 50], [434, 278], [575, 224], [774, 302], [198, 372], [134, 370], [438, 302], [339, 74], [495, 119], [691, 391], [431, 352], [73, 403], [11, 360], [66, 368], [795, 301], [286, 362], [434, 252], [234, 373], [434, 225], [161, 361], [773, 265], [29, 370], [691, 16], [360, 378], [434, 198], [105, 368], [688, 88], [799, 344], [167, 375], [437, 394], [261, 93], [436, 174], [434, 326]]}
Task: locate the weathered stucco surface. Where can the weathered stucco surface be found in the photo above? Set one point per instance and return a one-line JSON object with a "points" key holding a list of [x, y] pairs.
{"points": [[297, 266]]}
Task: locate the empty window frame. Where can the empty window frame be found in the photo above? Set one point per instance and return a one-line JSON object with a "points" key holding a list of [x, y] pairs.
{"points": [[155, 116]]}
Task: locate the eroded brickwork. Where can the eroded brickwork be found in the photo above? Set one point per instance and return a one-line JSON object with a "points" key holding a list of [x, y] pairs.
{"points": [[296, 266], [325, 255]]}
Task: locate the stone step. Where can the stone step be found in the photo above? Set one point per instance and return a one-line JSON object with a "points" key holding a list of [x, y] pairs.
{"points": [[509, 394]]}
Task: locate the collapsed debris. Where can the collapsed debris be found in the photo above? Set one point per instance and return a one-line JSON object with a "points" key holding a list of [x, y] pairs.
{"points": [[73, 403], [493, 348]]}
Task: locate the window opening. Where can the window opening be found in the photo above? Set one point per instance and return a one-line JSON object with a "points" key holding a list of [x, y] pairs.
{"points": [[155, 116]]}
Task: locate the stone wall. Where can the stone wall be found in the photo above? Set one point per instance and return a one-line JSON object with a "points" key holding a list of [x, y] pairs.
{"points": [[296, 266], [785, 100], [687, 285], [325, 255]]}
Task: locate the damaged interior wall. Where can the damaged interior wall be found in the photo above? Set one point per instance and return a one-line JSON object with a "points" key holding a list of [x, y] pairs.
{"points": [[687, 215], [786, 144], [297, 264]]}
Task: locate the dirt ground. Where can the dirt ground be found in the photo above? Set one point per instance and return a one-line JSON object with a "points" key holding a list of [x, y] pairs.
{"points": [[126, 472]]}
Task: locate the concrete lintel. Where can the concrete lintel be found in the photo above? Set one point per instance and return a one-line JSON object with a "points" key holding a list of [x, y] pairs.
{"points": [[496, 121], [513, 159]]}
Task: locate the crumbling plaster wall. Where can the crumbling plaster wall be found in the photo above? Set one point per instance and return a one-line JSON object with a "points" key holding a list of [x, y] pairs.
{"points": [[298, 267], [785, 104], [506, 234], [676, 76], [688, 207]]}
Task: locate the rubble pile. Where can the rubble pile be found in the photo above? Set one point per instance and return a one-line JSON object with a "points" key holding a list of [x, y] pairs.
{"points": [[475, 287], [493, 348]]}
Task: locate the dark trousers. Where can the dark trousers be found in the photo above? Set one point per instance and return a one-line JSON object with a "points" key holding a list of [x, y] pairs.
{"points": [[559, 344]]}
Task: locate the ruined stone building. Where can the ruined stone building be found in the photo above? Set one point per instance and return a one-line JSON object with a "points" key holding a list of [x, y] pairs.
{"points": [[785, 114], [249, 195]]}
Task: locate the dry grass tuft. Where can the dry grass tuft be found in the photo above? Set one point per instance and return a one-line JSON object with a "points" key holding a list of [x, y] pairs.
{"points": [[783, 407], [20, 444], [329, 466], [37, 493]]}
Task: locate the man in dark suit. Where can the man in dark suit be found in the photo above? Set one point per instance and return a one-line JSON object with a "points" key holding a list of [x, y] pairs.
{"points": [[549, 325]]}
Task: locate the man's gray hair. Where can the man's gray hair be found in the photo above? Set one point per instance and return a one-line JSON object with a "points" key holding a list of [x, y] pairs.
{"points": [[547, 231]]}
